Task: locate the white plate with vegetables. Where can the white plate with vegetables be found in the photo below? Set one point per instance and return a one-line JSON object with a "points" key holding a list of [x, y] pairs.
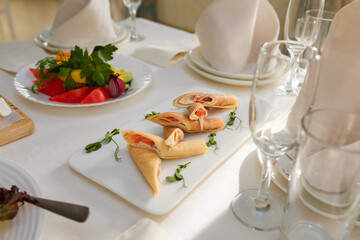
{"points": [[29, 221], [138, 76], [124, 178]]}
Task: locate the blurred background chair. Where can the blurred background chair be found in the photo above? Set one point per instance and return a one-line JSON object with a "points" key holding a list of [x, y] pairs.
{"points": [[5, 10]]}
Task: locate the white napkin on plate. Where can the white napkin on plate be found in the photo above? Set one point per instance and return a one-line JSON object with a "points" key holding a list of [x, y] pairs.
{"points": [[231, 32], [166, 53], [83, 22], [145, 229], [338, 85]]}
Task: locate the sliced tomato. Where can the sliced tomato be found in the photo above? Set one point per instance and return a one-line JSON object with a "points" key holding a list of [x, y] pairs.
{"points": [[98, 95], [200, 112], [73, 96], [172, 119], [52, 87], [35, 72], [137, 138]]}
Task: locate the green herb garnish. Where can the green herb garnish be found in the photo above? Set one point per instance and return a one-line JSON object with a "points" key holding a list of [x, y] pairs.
{"points": [[212, 141], [93, 67], [232, 119], [108, 138], [178, 176], [151, 114]]}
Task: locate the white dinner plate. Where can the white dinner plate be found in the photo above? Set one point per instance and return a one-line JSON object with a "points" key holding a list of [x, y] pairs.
{"points": [[225, 80], [124, 178], [197, 58], [45, 36], [142, 77], [248, 73], [29, 222]]}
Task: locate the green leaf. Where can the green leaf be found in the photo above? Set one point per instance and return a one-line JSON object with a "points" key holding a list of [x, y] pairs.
{"points": [[170, 179], [63, 72], [69, 82], [93, 147], [104, 52]]}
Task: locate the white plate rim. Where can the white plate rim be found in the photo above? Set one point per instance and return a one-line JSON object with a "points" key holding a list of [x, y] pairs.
{"points": [[215, 78], [146, 79], [197, 58], [28, 184]]}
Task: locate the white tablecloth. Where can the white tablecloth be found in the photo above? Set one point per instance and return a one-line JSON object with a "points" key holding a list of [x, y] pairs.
{"points": [[204, 214]]}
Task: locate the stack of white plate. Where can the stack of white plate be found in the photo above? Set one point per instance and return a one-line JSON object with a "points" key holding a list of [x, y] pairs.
{"points": [[197, 63], [43, 39]]}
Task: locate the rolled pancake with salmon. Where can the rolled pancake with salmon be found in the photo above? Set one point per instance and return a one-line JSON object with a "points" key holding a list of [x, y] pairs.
{"points": [[198, 112], [157, 144], [172, 135], [149, 165], [207, 99], [180, 120]]}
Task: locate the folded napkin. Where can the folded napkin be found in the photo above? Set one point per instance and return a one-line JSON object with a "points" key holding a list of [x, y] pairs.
{"points": [[166, 53], [145, 229], [83, 22], [231, 32], [338, 87], [16, 55]]}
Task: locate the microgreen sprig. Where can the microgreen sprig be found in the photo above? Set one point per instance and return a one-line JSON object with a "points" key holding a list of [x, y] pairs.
{"points": [[151, 114], [92, 147], [232, 119], [212, 142], [178, 176]]}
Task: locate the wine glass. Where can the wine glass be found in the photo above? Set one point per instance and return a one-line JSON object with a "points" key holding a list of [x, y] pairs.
{"points": [[268, 121], [133, 6], [294, 30]]}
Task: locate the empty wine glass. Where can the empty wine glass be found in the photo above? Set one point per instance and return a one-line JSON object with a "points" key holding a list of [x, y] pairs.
{"points": [[268, 119], [294, 31], [133, 6]]}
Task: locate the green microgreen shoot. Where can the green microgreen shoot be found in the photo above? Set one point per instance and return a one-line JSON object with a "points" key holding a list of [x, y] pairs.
{"points": [[151, 114], [178, 176], [232, 119], [212, 142], [108, 138]]}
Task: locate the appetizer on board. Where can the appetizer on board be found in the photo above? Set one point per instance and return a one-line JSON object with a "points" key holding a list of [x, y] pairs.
{"points": [[172, 136], [157, 144], [207, 99], [198, 112], [180, 120], [149, 165]]}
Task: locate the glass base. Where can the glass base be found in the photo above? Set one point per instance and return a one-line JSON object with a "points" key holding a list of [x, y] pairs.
{"points": [[283, 91], [304, 229], [136, 38], [267, 219]]}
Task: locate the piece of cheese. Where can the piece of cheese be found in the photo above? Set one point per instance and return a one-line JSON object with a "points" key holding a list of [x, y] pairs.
{"points": [[5, 110]]}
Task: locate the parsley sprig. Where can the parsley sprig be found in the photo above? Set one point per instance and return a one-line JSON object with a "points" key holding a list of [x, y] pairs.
{"points": [[232, 119], [151, 114], [93, 67], [178, 176], [92, 147]]}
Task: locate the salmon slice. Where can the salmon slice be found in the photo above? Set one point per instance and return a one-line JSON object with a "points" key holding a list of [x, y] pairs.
{"points": [[137, 138]]}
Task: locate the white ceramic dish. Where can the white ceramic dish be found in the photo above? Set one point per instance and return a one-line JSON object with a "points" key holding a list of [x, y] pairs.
{"points": [[247, 74], [124, 178], [42, 39], [219, 79], [45, 35], [29, 222], [142, 77]]}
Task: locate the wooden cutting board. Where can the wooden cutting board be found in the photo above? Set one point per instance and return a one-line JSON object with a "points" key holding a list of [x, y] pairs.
{"points": [[16, 130]]}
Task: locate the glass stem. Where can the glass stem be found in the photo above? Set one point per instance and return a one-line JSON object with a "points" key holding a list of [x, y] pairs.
{"points": [[294, 62], [133, 12], [262, 199]]}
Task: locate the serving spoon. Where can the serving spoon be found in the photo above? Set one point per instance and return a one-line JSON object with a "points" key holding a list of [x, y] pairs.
{"points": [[73, 211]]}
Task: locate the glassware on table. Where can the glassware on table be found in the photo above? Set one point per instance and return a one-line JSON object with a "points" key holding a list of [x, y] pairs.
{"points": [[293, 31], [268, 114], [323, 198], [133, 6]]}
